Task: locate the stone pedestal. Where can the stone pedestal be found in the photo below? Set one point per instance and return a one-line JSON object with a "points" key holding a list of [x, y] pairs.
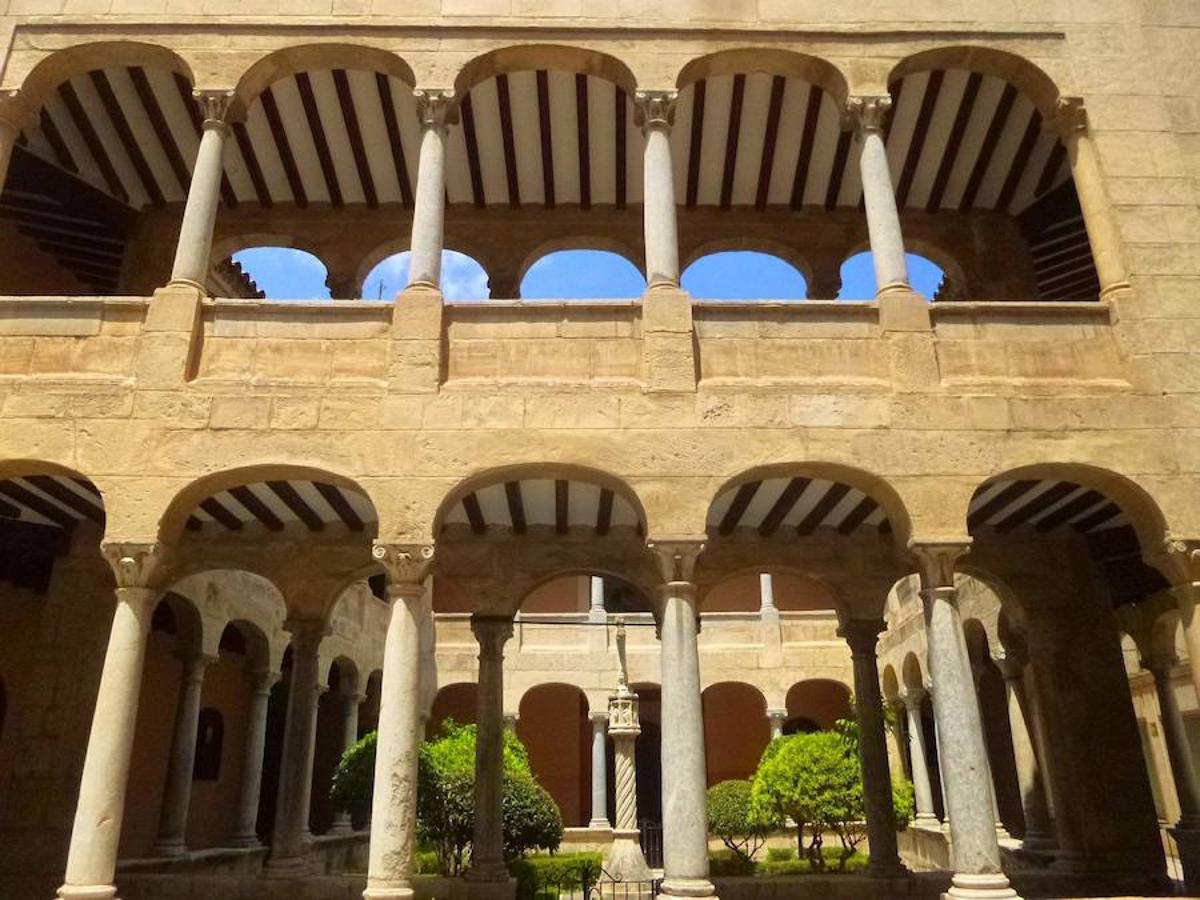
{"points": [[625, 861]]}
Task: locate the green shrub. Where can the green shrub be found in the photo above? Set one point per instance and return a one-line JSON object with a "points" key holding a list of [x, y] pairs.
{"points": [[426, 862], [353, 778], [780, 854], [531, 817], [726, 862], [731, 818], [547, 876]]}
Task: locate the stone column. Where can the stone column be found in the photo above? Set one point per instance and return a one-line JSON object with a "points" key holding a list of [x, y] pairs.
{"points": [[1183, 773], [245, 830], [965, 772], [684, 779], [655, 113], [394, 803], [625, 861], [194, 248], [1186, 596], [977, 673], [777, 718], [299, 739], [350, 703], [1039, 829], [922, 786], [767, 610], [10, 127], [177, 796], [599, 771], [92, 855], [487, 851], [437, 112], [879, 197], [862, 636], [596, 610], [1104, 235]]}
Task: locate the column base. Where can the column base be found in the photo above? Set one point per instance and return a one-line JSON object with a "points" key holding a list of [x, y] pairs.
{"points": [[88, 892], [990, 886], [625, 861], [340, 828], [928, 821], [599, 825], [245, 842], [389, 892], [688, 887], [171, 849], [291, 867]]}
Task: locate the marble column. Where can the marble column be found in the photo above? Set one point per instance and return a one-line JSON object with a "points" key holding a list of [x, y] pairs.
{"points": [[1103, 232], [1186, 596], [1039, 829], [394, 802], [599, 771], [922, 786], [350, 704], [776, 718], [862, 635], [767, 610], [299, 739], [177, 796], [487, 847], [1183, 773], [879, 197], [194, 248], [655, 112], [245, 830], [437, 112], [684, 779], [92, 854], [977, 673], [965, 771], [596, 610]]}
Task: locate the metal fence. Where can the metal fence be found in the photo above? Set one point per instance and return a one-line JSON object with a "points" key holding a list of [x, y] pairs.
{"points": [[652, 843], [589, 882]]}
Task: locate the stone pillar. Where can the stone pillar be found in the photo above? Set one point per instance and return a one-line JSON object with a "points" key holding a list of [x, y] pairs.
{"points": [[245, 830], [776, 718], [625, 861], [350, 704], [299, 739], [684, 779], [596, 610], [965, 771], [1103, 233], [1186, 596], [1039, 829], [173, 816], [437, 112], [879, 197], [92, 855], [977, 673], [599, 770], [922, 786], [10, 127], [862, 636], [394, 802], [767, 610], [194, 248], [487, 853], [655, 112]]}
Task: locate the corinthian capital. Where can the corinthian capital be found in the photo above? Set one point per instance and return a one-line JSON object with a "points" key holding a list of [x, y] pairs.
{"points": [[135, 565], [869, 113], [406, 565], [215, 106], [676, 557], [654, 109], [936, 561], [436, 107]]}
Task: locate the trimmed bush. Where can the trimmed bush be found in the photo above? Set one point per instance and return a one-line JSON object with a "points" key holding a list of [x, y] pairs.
{"points": [[731, 818], [780, 854], [540, 875]]}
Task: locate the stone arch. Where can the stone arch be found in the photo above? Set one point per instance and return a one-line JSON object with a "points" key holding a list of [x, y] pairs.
{"points": [[795, 589], [891, 684], [606, 252], [819, 701], [249, 257], [911, 671], [456, 701], [291, 60], [978, 644], [751, 252], [253, 639], [247, 600], [451, 256], [63, 64], [525, 57], [343, 674], [733, 753], [578, 242], [559, 754], [789, 254], [1017, 70], [770, 61], [563, 592]]}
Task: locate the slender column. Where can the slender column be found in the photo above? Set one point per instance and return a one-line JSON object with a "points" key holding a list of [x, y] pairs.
{"points": [[172, 823], [1178, 751], [599, 771], [437, 112], [596, 610], [655, 112], [92, 856], [299, 738], [10, 127], [767, 610], [883, 220], [394, 803], [245, 831], [977, 673], [1039, 830], [776, 718], [194, 248], [862, 635], [684, 779], [350, 704], [487, 849], [1186, 596], [965, 771], [922, 786], [1104, 235]]}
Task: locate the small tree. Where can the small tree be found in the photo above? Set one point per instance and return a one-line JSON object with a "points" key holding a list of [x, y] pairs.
{"points": [[731, 818]]}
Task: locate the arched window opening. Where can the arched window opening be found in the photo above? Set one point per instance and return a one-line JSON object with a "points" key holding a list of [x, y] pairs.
{"points": [[284, 273], [582, 275], [210, 737], [463, 278], [858, 276], [744, 275], [163, 619], [232, 641]]}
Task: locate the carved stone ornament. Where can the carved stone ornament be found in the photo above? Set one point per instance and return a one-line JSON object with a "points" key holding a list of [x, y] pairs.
{"points": [[214, 106], [936, 562], [676, 558], [1070, 116], [13, 111], [1182, 558], [869, 113], [654, 109], [405, 564], [135, 565], [436, 107]]}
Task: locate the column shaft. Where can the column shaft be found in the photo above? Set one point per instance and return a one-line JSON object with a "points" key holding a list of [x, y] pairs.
{"points": [[429, 209], [350, 703], [776, 718], [194, 248], [487, 850], [596, 610], [661, 227], [1039, 832], [599, 772], [394, 802], [767, 609], [172, 824], [245, 831], [8, 140], [92, 857], [922, 786], [879, 197], [1178, 750], [685, 817]]}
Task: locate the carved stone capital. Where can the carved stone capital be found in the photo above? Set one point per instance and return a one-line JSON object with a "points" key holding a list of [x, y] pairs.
{"points": [[676, 557], [14, 113], [492, 632], [135, 565], [215, 107], [307, 634], [654, 109], [868, 113], [936, 561], [436, 107], [1070, 117], [913, 697], [406, 565], [862, 635], [1181, 558], [1012, 663]]}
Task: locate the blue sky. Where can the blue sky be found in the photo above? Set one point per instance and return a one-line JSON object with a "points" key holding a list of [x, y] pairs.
{"points": [[291, 274]]}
